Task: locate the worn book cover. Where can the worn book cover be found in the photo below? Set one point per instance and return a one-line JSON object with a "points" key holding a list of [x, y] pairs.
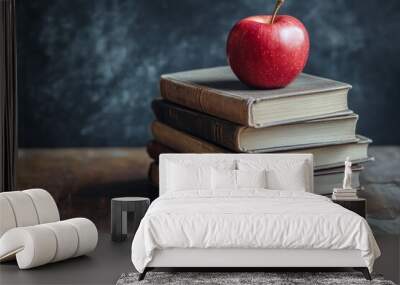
{"points": [[324, 182], [170, 140], [238, 138], [182, 142], [154, 149], [153, 174], [217, 91]]}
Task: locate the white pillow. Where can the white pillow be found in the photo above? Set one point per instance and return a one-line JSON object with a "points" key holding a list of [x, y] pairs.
{"points": [[292, 180], [223, 179], [183, 177], [282, 174], [251, 178], [227, 179]]}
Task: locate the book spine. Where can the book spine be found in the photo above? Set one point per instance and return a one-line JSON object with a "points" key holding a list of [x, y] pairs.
{"points": [[153, 174], [207, 101], [154, 149], [209, 128], [182, 142]]}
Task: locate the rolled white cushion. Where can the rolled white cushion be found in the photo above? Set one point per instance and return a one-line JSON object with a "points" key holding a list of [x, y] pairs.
{"points": [[23, 208], [87, 233], [7, 218], [45, 205], [33, 246], [67, 240], [41, 244], [26, 208]]}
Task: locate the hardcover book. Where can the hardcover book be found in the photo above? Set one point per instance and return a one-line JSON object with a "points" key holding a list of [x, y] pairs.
{"points": [[217, 91], [323, 182], [169, 140], [326, 180], [340, 128], [153, 174], [182, 142], [154, 149], [334, 155]]}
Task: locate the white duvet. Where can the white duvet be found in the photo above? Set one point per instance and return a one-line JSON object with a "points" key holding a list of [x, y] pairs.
{"points": [[250, 219]]}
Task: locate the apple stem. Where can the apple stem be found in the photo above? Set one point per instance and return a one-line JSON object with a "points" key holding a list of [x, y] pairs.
{"points": [[278, 5]]}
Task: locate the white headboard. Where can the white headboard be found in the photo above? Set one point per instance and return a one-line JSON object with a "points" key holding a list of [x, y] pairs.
{"points": [[214, 159]]}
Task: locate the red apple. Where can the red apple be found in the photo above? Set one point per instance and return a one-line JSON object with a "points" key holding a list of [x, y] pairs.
{"points": [[268, 55]]}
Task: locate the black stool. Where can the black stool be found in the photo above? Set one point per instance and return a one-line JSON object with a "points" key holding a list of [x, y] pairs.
{"points": [[119, 215]]}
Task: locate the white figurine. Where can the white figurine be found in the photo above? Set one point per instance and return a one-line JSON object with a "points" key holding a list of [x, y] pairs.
{"points": [[347, 174]]}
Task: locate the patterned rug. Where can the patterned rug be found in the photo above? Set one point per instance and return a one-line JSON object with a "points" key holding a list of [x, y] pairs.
{"points": [[243, 278]]}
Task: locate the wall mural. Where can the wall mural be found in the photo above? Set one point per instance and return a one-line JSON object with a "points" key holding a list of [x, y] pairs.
{"points": [[89, 69]]}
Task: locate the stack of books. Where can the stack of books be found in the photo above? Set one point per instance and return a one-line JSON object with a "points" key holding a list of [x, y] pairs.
{"points": [[211, 111], [344, 194]]}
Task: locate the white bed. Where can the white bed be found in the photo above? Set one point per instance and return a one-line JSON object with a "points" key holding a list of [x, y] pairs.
{"points": [[207, 226]]}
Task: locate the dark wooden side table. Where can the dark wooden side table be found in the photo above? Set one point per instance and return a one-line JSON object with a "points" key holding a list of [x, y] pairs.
{"points": [[357, 205], [120, 207]]}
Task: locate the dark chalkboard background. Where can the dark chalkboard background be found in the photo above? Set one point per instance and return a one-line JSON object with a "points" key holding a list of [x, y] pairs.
{"points": [[88, 69]]}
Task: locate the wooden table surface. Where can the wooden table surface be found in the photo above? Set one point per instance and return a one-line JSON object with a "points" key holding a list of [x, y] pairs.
{"points": [[83, 180]]}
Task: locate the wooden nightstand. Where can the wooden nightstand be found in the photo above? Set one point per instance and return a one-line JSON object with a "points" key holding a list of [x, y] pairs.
{"points": [[358, 205]]}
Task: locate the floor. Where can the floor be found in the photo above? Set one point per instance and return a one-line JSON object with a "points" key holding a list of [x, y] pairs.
{"points": [[106, 264], [103, 266], [84, 180]]}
